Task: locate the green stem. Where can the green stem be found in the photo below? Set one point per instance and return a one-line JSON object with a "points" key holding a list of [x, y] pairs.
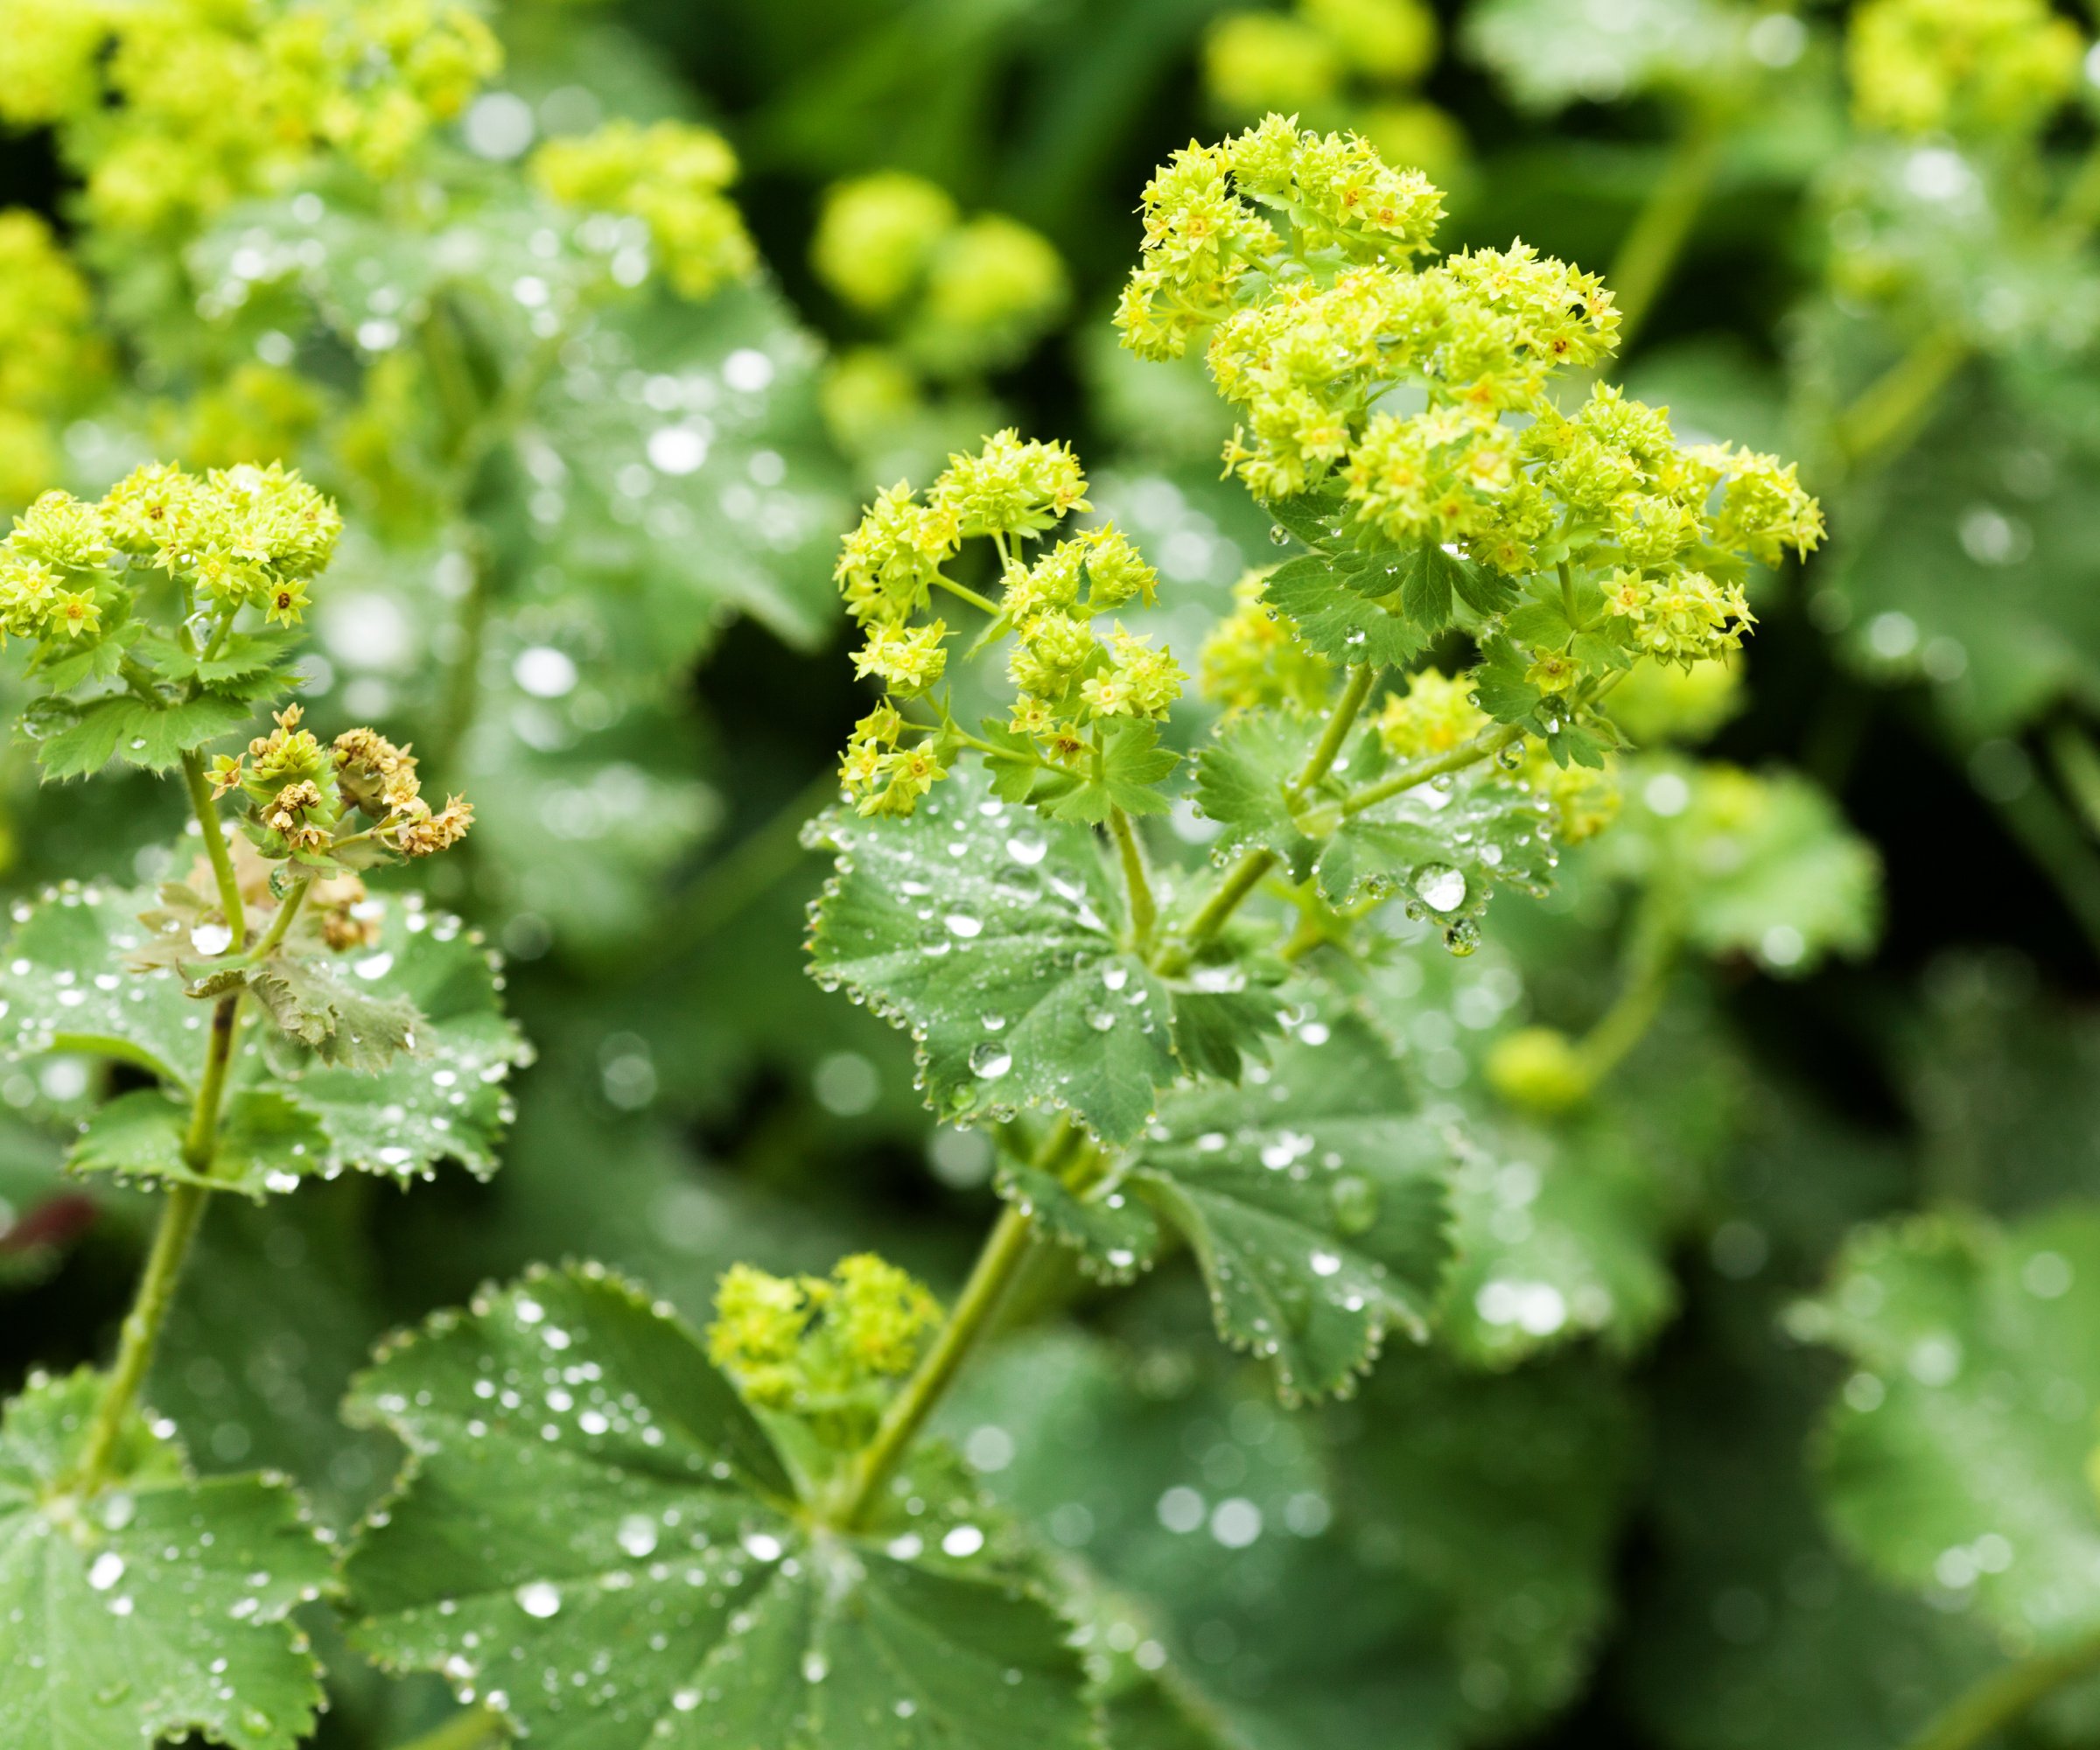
{"points": [[2077, 763], [969, 596], [1004, 1250], [1650, 955], [1663, 225], [462, 687], [179, 1219], [474, 1730], [1888, 413], [215, 849], [1245, 875], [1144, 910], [282, 922], [1997, 1700], [1435, 765]]}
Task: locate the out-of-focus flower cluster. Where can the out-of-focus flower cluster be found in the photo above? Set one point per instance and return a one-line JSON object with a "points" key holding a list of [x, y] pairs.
{"points": [[1071, 680], [671, 175], [952, 297], [1971, 67], [48, 351], [173, 109], [1348, 64]]}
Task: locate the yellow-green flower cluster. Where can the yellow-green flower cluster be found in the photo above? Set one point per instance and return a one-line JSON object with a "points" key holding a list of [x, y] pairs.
{"points": [[960, 296], [1962, 67], [240, 536], [1433, 716], [1252, 661], [175, 108], [46, 351], [1070, 679], [825, 1348], [671, 175], [244, 536], [1208, 251]]}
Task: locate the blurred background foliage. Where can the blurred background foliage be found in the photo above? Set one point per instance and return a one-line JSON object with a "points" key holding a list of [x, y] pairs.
{"points": [[1792, 1084]]}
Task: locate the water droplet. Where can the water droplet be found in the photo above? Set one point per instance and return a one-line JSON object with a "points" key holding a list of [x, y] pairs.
{"points": [[1439, 886], [1028, 848], [990, 1061], [539, 1598], [1463, 937], [965, 924], [638, 1535], [108, 1569]]}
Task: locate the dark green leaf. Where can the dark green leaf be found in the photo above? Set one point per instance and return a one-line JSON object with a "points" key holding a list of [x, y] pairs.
{"points": [[344, 1024], [1240, 781], [156, 1609], [596, 1538], [1333, 619], [1445, 845], [74, 740], [1315, 1198], [987, 932], [266, 1142], [1133, 766]]}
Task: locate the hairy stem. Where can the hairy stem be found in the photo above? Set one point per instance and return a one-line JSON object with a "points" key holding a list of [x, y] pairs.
{"points": [[215, 849], [1004, 1250], [1490, 741], [1663, 225], [282, 922], [184, 1211], [1997, 1700], [969, 595], [179, 1219], [1144, 910]]}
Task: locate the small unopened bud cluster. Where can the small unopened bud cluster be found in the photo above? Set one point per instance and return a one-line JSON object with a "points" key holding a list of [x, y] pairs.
{"points": [[302, 795], [671, 175], [826, 1348], [1070, 679]]}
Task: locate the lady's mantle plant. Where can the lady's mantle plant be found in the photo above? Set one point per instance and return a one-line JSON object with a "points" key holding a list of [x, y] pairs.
{"points": [[614, 1532], [266, 1019]]}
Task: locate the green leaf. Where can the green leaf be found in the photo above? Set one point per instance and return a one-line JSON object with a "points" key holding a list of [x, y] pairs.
{"points": [[74, 740], [1315, 1199], [1333, 619], [989, 935], [1133, 766], [596, 1538], [158, 1608], [1113, 1234], [243, 655], [1499, 685], [266, 1142], [1955, 1462], [1761, 865], [1429, 576], [1241, 780], [66, 985], [444, 1097], [1313, 517], [61, 668], [313, 1001], [1446, 843]]}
